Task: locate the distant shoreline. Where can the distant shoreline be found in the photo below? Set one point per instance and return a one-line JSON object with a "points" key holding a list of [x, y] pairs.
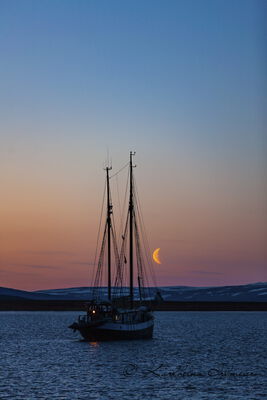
{"points": [[78, 305]]}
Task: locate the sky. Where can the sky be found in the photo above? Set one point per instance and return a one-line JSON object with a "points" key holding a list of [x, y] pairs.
{"points": [[182, 83]]}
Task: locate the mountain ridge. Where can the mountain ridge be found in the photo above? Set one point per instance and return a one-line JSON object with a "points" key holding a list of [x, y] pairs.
{"points": [[251, 292]]}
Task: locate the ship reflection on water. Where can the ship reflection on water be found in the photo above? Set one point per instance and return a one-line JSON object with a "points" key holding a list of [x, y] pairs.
{"points": [[93, 344]]}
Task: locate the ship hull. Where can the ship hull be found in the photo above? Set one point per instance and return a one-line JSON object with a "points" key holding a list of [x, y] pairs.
{"points": [[111, 331]]}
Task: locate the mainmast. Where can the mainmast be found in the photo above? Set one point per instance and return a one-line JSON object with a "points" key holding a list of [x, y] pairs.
{"points": [[109, 212], [131, 215]]}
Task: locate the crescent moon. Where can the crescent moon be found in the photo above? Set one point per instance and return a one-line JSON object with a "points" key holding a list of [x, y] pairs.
{"points": [[156, 256]]}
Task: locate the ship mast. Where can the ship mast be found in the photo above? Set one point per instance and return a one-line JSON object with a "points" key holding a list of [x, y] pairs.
{"points": [[109, 212], [131, 215]]}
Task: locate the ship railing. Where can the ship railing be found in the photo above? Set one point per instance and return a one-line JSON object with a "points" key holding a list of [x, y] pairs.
{"points": [[132, 317]]}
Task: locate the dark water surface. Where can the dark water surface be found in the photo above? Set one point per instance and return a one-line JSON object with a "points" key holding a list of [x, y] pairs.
{"points": [[194, 355]]}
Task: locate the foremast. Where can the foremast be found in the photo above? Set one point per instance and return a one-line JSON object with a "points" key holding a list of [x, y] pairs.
{"points": [[108, 225], [131, 226], [105, 248]]}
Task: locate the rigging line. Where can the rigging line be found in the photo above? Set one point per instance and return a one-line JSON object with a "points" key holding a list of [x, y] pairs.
{"points": [[147, 254], [112, 221], [139, 260], [123, 208], [98, 235], [141, 265], [118, 274], [98, 276], [115, 262], [101, 255], [115, 251], [119, 202], [122, 168], [145, 238], [125, 200], [122, 274]]}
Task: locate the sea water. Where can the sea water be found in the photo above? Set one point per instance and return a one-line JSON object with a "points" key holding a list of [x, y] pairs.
{"points": [[193, 355]]}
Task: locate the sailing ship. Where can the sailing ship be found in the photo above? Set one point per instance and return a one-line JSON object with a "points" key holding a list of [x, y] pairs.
{"points": [[122, 311]]}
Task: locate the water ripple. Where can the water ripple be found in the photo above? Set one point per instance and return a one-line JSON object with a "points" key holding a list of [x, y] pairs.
{"points": [[194, 355]]}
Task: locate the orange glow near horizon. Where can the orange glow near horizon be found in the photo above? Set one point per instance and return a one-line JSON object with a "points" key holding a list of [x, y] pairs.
{"points": [[50, 243]]}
